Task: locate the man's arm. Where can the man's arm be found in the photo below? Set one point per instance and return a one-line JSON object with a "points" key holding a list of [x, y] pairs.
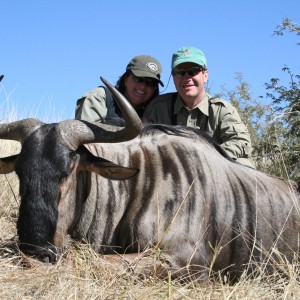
{"points": [[234, 134]]}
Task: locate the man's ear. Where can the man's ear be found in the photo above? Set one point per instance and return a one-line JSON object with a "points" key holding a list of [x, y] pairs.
{"points": [[205, 76], [114, 172]]}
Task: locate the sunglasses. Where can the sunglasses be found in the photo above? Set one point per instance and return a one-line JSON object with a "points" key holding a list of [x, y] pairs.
{"points": [[191, 71], [146, 80]]}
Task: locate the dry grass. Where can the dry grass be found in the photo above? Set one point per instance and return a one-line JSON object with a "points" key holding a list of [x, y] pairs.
{"points": [[83, 274]]}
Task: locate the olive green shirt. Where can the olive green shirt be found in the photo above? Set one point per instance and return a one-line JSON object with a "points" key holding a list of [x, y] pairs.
{"points": [[215, 116], [95, 105], [99, 104]]}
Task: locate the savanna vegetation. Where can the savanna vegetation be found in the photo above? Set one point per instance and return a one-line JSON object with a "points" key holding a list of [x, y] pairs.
{"points": [[83, 274], [274, 118]]}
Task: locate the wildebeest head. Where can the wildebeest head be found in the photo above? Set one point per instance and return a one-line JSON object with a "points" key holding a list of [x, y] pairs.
{"points": [[50, 158]]}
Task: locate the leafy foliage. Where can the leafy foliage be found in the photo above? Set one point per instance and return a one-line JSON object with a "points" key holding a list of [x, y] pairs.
{"points": [[288, 25], [274, 126], [286, 108], [286, 123]]}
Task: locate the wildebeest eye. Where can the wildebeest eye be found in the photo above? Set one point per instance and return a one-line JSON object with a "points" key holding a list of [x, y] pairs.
{"points": [[72, 155]]}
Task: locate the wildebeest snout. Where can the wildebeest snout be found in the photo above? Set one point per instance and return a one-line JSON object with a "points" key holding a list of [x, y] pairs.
{"points": [[47, 254]]}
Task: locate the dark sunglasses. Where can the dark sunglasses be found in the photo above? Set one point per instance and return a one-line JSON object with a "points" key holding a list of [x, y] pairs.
{"points": [[146, 80], [191, 71]]}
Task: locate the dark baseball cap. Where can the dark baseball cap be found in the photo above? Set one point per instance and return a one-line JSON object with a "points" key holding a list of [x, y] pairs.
{"points": [[145, 66]]}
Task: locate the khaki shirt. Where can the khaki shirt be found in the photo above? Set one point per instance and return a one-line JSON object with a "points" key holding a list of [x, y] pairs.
{"points": [[99, 104], [95, 105], [215, 116]]}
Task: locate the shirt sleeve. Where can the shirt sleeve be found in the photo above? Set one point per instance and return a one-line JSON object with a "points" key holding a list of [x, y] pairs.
{"points": [[92, 106], [150, 114], [158, 111], [235, 137]]}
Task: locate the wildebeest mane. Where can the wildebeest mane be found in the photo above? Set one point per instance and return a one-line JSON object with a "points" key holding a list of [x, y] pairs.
{"points": [[184, 131], [178, 130]]}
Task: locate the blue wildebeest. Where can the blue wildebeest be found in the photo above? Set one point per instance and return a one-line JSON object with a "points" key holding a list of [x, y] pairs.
{"points": [[182, 196]]}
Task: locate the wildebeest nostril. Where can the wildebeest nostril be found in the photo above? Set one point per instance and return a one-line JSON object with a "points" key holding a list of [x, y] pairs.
{"points": [[46, 254], [45, 259], [48, 257]]}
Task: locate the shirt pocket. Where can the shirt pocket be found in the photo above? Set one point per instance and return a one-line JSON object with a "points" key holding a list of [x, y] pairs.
{"points": [[240, 128]]}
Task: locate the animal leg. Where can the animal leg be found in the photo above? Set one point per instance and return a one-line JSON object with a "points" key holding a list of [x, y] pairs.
{"points": [[150, 263], [144, 263]]}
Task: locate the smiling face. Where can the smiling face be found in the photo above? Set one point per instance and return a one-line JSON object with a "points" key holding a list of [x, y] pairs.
{"points": [[139, 91], [190, 86]]}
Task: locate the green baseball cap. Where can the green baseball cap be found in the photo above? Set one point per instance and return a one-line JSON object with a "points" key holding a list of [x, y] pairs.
{"points": [[145, 66], [188, 54]]}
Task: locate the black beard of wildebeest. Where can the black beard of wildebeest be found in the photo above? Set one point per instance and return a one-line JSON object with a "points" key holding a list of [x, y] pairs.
{"points": [[38, 212]]}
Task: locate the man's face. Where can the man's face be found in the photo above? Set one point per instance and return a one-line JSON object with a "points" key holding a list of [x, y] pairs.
{"points": [[189, 80]]}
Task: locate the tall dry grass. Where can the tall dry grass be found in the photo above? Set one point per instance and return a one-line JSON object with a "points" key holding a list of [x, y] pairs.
{"points": [[83, 274]]}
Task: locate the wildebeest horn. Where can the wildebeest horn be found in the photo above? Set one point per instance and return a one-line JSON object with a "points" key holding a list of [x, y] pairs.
{"points": [[75, 132], [18, 130]]}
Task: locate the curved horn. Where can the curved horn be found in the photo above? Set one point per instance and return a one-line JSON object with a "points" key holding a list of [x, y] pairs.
{"points": [[75, 132], [19, 130]]}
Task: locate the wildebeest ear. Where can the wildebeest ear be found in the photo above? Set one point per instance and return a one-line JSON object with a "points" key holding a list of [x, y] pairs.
{"points": [[114, 172], [7, 164], [103, 167]]}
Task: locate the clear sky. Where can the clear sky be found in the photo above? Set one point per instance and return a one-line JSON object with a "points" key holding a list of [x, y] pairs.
{"points": [[54, 51]]}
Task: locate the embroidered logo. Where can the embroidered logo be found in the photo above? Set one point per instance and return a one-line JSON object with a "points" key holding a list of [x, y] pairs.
{"points": [[152, 66]]}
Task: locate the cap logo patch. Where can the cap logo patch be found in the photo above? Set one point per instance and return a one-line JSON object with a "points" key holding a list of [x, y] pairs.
{"points": [[152, 66]]}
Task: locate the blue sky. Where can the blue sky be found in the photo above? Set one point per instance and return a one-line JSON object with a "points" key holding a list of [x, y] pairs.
{"points": [[52, 52]]}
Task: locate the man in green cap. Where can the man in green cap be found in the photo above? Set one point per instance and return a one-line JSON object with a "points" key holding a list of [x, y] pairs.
{"points": [[192, 106]]}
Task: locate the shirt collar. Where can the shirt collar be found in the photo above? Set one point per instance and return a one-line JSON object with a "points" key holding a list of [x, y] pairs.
{"points": [[202, 105]]}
